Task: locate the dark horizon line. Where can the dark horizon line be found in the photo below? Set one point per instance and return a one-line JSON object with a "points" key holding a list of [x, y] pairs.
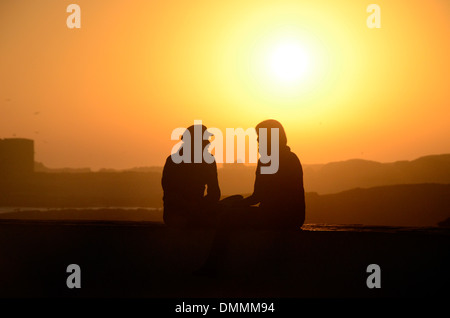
{"points": [[237, 163]]}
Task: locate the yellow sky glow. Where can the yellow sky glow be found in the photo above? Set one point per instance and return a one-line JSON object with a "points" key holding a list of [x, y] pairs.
{"points": [[110, 94]]}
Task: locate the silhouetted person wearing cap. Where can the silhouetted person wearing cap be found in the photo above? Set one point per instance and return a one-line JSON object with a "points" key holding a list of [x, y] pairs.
{"points": [[184, 183]]}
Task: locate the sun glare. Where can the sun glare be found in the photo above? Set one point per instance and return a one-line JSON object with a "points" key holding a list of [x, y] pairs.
{"points": [[271, 60], [288, 62]]}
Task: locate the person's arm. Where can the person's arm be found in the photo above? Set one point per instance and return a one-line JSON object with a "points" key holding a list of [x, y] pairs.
{"points": [[255, 198], [248, 201], [213, 189]]}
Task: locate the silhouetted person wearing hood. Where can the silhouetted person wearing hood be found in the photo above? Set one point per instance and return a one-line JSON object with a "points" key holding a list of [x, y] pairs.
{"points": [[280, 196], [184, 183]]}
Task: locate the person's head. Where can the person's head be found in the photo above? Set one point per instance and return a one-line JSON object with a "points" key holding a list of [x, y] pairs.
{"points": [[270, 149], [269, 124], [203, 134]]}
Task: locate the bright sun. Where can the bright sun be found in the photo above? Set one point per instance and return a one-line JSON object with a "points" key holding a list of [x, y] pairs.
{"points": [[277, 65], [288, 62]]}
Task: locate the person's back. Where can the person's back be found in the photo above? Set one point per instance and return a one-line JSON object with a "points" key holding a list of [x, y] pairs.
{"points": [[184, 185], [281, 195]]}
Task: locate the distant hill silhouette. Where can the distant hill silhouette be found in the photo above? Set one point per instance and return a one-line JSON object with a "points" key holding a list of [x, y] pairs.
{"points": [[40, 167], [398, 205], [345, 175], [403, 193], [324, 178], [339, 176], [445, 223], [91, 189]]}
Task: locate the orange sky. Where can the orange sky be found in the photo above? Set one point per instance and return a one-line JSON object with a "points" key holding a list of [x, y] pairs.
{"points": [[110, 94]]}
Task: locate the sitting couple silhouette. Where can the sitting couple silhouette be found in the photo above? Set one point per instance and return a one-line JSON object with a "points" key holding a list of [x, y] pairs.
{"points": [[280, 195]]}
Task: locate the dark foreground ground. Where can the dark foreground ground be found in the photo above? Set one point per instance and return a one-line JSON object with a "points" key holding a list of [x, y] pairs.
{"points": [[145, 259]]}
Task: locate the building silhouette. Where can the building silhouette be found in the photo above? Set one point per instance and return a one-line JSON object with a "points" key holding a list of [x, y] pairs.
{"points": [[16, 157]]}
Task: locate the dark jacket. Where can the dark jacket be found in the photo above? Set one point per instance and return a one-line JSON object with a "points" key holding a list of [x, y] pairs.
{"points": [[281, 195], [184, 187]]}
